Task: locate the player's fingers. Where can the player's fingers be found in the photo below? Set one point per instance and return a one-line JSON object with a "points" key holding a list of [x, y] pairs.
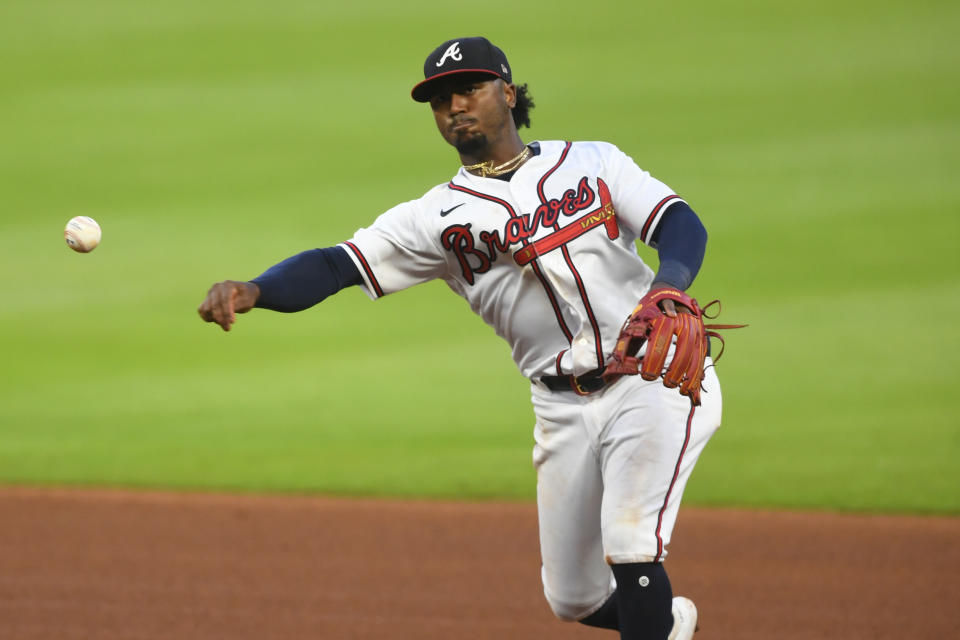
{"points": [[220, 302], [206, 307], [669, 308], [230, 307], [224, 309]]}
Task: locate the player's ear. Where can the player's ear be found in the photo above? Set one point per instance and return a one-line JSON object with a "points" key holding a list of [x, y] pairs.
{"points": [[509, 93]]}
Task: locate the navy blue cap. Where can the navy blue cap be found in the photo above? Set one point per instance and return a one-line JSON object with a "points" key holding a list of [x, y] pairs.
{"points": [[461, 55]]}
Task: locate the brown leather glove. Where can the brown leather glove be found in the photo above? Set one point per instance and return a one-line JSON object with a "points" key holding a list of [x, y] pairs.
{"points": [[648, 323]]}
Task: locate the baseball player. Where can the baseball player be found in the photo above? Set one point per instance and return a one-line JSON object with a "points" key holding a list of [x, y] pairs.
{"points": [[540, 240]]}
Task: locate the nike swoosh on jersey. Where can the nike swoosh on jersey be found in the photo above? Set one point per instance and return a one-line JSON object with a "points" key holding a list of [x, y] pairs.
{"points": [[443, 213]]}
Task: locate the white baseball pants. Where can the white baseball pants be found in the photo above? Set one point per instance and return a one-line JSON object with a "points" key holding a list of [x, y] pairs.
{"points": [[611, 470]]}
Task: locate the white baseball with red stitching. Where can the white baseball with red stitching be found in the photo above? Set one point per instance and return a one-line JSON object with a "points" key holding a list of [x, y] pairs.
{"points": [[82, 234]]}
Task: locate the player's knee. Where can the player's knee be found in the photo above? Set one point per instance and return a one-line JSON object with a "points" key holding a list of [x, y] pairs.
{"points": [[569, 611]]}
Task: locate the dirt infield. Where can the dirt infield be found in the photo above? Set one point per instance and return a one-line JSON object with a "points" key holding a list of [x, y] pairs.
{"points": [[111, 564]]}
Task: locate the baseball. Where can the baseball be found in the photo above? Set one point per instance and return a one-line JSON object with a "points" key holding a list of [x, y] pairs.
{"points": [[82, 234]]}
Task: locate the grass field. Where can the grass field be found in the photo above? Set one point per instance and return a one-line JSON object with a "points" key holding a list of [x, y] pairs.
{"points": [[818, 143]]}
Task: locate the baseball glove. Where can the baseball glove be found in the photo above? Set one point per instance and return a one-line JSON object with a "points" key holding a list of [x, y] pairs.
{"points": [[648, 323]]}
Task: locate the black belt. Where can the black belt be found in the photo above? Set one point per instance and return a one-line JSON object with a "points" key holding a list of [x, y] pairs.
{"points": [[589, 382]]}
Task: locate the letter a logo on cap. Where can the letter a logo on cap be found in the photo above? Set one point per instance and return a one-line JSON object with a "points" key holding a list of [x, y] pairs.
{"points": [[452, 52]]}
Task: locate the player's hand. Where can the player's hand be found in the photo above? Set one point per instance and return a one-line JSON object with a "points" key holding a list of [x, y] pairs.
{"points": [[668, 306], [226, 299]]}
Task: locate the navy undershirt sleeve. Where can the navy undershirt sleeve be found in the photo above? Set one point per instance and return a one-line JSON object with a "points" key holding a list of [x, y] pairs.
{"points": [[305, 279], [680, 240]]}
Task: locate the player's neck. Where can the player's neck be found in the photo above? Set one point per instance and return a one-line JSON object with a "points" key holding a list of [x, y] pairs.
{"points": [[497, 160]]}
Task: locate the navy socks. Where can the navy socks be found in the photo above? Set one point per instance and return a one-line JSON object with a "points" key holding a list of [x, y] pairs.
{"points": [[641, 606]]}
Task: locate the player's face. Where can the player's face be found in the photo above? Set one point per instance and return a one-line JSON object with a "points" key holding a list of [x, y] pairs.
{"points": [[473, 111]]}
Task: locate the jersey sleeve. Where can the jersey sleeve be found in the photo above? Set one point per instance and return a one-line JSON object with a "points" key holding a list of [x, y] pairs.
{"points": [[639, 199], [395, 252]]}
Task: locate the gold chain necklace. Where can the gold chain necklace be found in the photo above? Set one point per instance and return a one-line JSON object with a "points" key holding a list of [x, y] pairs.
{"points": [[487, 170]]}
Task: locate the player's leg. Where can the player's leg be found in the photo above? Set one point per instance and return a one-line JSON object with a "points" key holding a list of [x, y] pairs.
{"points": [[648, 452], [681, 624], [606, 617], [576, 579], [644, 599], [644, 589]]}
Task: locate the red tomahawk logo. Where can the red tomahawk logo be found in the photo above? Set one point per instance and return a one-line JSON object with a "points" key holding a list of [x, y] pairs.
{"points": [[604, 215]]}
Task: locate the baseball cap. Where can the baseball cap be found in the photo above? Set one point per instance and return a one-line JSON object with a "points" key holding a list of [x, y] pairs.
{"points": [[461, 55]]}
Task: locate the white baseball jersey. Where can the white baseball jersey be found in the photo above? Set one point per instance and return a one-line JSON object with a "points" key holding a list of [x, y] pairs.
{"points": [[547, 258]]}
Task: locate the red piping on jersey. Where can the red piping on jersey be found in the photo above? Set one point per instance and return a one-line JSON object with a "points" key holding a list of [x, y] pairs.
{"points": [[563, 156], [566, 253], [560, 357], [673, 481], [586, 303], [536, 268], [366, 267], [653, 215]]}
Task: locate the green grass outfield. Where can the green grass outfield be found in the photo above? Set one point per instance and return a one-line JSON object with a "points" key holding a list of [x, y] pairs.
{"points": [[817, 141]]}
